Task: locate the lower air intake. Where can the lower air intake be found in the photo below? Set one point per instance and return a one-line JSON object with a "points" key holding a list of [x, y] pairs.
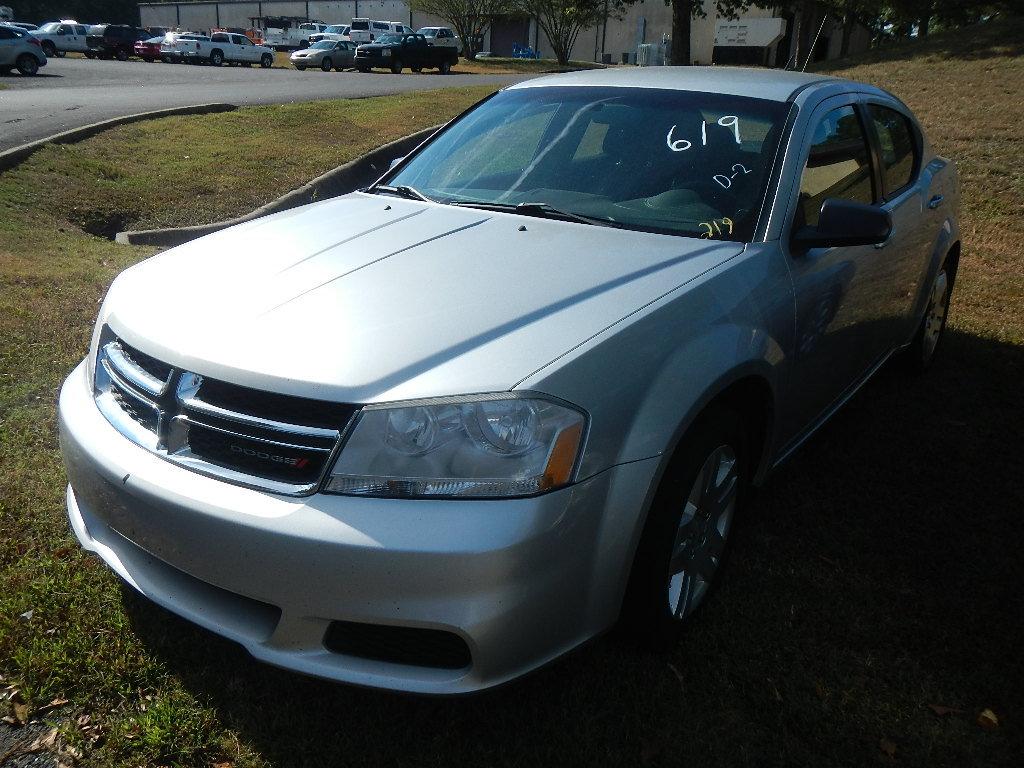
{"points": [[400, 645]]}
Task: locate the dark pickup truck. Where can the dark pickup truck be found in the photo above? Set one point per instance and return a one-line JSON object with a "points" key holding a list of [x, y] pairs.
{"points": [[396, 52]]}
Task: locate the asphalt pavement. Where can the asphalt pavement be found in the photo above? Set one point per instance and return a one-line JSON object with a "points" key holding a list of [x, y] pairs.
{"points": [[72, 92]]}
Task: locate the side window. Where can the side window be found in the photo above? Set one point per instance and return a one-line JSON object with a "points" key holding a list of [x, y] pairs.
{"points": [[837, 166], [899, 149], [6, 34], [79, 30]]}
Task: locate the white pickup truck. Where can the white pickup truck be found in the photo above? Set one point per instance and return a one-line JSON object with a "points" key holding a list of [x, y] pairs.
{"points": [[231, 48], [287, 38]]}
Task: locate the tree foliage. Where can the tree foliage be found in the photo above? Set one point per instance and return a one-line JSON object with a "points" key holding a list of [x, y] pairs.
{"points": [[469, 18], [563, 20]]}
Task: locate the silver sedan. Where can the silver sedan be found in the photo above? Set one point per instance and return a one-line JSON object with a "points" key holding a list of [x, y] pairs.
{"points": [[327, 55], [435, 433]]}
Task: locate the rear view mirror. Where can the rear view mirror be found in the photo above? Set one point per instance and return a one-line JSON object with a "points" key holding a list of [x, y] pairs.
{"points": [[395, 162], [843, 223]]}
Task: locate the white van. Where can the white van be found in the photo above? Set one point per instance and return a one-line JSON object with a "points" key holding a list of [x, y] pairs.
{"points": [[367, 30]]}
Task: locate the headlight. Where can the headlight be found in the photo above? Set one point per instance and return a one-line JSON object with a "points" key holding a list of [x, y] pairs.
{"points": [[483, 447]]}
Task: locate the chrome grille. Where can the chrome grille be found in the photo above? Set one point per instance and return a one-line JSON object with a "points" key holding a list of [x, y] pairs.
{"points": [[247, 436]]}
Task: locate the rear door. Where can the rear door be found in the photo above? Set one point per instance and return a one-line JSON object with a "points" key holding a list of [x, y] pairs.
{"points": [[842, 295], [78, 39], [917, 211]]}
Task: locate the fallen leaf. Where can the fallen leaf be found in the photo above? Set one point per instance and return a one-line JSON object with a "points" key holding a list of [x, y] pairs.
{"points": [[942, 711], [987, 720], [887, 747], [27, 615], [43, 742], [83, 720], [20, 712]]}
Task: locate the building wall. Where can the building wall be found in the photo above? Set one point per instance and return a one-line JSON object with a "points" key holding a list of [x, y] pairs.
{"points": [[646, 21]]}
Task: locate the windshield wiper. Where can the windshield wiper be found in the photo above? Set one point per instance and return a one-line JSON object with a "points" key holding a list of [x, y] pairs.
{"points": [[401, 190], [540, 210]]}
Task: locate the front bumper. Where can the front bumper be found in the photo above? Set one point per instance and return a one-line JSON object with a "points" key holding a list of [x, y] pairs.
{"points": [[520, 581]]}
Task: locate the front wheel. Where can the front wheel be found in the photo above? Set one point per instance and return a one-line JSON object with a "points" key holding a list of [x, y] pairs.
{"points": [[148, 59], [364, 70], [267, 61], [396, 66], [445, 68], [326, 64], [49, 49], [684, 543], [61, 54], [122, 54], [216, 58], [27, 65], [90, 55]]}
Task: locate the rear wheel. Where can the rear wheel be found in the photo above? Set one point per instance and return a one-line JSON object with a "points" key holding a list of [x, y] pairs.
{"points": [[90, 55], [326, 64], [684, 543], [364, 70], [49, 49], [919, 355], [301, 69], [61, 54], [267, 61], [148, 59], [445, 68], [416, 69], [27, 64], [216, 58], [121, 54], [396, 66]]}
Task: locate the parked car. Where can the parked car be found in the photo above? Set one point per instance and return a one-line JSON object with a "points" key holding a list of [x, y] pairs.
{"points": [[20, 49], [233, 49], [399, 51], [326, 54], [360, 471], [441, 37], [26, 25], [333, 32], [59, 37], [367, 30], [114, 41], [149, 50], [177, 45]]}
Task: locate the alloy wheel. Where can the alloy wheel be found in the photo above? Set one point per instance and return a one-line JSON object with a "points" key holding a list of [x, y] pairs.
{"points": [[935, 315], [702, 531]]}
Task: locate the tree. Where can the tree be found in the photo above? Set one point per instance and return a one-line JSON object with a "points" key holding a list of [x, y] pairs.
{"points": [[684, 11], [469, 18], [563, 20]]}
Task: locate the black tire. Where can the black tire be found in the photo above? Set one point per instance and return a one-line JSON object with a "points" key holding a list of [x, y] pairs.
{"points": [[417, 70], [918, 357], [90, 55], [445, 68], [396, 66], [301, 69], [49, 49], [61, 54], [122, 54], [363, 70], [267, 61], [27, 65], [4, 71], [303, 45], [216, 57], [646, 613], [148, 59], [326, 64]]}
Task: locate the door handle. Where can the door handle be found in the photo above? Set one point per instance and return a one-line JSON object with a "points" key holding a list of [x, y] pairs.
{"points": [[935, 202]]}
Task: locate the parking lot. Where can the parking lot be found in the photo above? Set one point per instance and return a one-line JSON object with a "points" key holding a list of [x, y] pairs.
{"points": [[71, 92]]}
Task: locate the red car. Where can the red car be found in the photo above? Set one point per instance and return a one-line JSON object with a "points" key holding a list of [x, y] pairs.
{"points": [[149, 50]]}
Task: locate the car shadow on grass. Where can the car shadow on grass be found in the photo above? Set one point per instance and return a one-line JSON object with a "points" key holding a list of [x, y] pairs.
{"points": [[878, 572]]}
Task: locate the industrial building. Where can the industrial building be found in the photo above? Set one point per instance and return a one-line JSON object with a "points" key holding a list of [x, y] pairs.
{"points": [[760, 37]]}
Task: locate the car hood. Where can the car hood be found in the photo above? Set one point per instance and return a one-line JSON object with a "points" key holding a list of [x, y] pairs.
{"points": [[369, 298]]}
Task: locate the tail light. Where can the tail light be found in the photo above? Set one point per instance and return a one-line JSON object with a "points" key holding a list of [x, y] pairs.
{"points": [[35, 41]]}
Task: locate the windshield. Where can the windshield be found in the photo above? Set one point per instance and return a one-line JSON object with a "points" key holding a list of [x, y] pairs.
{"points": [[335, 29], [49, 27], [389, 39], [428, 32], [324, 45], [676, 162]]}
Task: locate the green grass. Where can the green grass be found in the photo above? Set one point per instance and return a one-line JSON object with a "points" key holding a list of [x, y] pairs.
{"points": [[878, 572]]}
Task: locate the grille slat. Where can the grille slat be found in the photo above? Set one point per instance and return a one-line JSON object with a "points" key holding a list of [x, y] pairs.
{"points": [[244, 435]]}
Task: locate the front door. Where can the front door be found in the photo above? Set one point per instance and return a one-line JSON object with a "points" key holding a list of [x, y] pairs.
{"points": [[843, 294]]}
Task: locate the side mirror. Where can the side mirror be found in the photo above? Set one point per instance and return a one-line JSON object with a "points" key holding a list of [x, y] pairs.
{"points": [[395, 162], [844, 222]]}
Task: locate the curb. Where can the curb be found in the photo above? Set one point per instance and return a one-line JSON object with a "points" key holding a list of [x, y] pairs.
{"points": [[339, 181], [12, 157]]}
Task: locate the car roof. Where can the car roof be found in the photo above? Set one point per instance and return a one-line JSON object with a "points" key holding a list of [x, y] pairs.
{"points": [[772, 84]]}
